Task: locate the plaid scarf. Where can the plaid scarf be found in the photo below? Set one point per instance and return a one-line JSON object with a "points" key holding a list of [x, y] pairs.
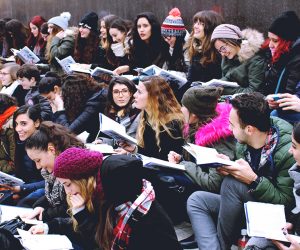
{"points": [[128, 212], [268, 148]]}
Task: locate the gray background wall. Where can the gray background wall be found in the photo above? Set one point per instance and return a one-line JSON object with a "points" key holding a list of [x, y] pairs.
{"points": [[251, 13]]}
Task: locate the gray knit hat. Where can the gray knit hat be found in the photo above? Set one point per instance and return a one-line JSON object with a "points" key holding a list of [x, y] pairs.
{"points": [[202, 101], [61, 21], [226, 31]]}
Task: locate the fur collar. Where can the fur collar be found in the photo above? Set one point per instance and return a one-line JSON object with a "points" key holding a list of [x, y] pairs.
{"points": [[252, 41], [217, 129]]}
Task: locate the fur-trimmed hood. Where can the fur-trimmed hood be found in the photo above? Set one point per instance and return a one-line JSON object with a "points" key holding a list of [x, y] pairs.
{"points": [[217, 129], [252, 41]]}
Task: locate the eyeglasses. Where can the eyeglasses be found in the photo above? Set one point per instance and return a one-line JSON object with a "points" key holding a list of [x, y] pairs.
{"points": [[223, 49], [4, 73], [123, 92]]}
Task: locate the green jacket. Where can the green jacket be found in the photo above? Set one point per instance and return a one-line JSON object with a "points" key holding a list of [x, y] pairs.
{"points": [[7, 150], [249, 74], [279, 189], [61, 48]]}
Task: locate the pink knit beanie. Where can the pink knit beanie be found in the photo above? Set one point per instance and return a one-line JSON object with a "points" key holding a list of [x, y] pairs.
{"points": [[77, 163]]}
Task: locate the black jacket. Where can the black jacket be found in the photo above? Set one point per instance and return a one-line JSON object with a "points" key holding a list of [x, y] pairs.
{"points": [[167, 143], [88, 120], [291, 76]]}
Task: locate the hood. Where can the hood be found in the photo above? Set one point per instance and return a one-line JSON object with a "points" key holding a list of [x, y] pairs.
{"points": [[121, 178], [217, 129], [251, 44]]}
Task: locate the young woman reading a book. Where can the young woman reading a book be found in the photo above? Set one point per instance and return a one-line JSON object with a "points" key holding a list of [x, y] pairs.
{"points": [[43, 147], [60, 41], [79, 105], [242, 60]]}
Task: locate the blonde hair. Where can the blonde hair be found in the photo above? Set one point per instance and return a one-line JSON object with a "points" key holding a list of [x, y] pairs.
{"points": [[87, 188], [162, 108], [55, 30]]}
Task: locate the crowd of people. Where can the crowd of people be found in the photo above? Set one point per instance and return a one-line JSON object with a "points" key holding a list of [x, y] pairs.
{"points": [[113, 202]]}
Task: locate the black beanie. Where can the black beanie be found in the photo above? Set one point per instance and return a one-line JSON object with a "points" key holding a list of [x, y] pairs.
{"points": [[202, 101], [286, 26], [90, 20]]}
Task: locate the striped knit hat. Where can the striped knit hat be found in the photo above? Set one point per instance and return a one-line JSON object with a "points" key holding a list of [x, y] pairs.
{"points": [[226, 31], [173, 24]]}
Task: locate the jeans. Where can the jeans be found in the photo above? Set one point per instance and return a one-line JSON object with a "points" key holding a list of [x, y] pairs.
{"points": [[218, 219], [291, 117], [30, 199]]}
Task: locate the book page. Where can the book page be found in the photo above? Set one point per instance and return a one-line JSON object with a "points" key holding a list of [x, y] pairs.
{"points": [[10, 180], [151, 161], [102, 148], [10, 212], [98, 71], [27, 56], [265, 220], [65, 63], [82, 68]]}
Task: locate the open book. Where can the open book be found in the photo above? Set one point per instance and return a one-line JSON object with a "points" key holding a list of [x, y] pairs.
{"points": [[44, 241], [114, 130], [102, 148], [154, 163], [10, 180], [206, 157], [265, 220], [26, 55], [81, 68], [175, 80], [65, 63], [217, 82]]}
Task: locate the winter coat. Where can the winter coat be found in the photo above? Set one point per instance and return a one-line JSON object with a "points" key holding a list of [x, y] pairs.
{"points": [[215, 134], [61, 48], [88, 119], [276, 185], [7, 148], [247, 68], [33, 97], [291, 77], [167, 143]]}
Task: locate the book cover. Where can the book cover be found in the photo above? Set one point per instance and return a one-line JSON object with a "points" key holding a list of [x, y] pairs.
{"points": [[65, 63], [6, 179], [114, 130], [217, 82]]}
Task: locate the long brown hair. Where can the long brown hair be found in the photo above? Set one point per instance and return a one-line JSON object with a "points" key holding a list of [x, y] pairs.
{"points": [[55, 30], [162, 108], [211, 19]]}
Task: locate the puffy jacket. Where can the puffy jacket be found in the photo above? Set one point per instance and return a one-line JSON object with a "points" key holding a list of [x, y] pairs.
{"points": [[276, 188]]}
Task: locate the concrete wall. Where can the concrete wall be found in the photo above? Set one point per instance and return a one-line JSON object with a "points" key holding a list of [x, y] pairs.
{"points": [[252, 13]]}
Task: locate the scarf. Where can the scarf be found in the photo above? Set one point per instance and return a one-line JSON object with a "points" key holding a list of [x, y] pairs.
{"points": [[268, 148], [54, 190], [7, 113], [131, 212]]}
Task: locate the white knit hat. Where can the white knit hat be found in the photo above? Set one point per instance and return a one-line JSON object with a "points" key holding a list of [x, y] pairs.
{"points": [[61, 21]]}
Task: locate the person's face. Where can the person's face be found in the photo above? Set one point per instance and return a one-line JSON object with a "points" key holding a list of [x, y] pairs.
{"points": [[234, 125], [199, 30], [50, 28], [121, 94], [189, 118], [141, 97], [26, 83], [25, 127], [171, 40], [103, 30], [295, 150], [144, 29], [226, 49], [5, 77], [34, 30], [49, 96], [44, 36], [84, 32], [43, 159], [117, 35], [274, 42], [71, 187]]}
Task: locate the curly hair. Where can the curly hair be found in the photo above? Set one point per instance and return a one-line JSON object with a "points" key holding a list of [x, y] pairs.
{"points": [[86, 48], [16, 34], [49, 132], [211, 19], [162, 108], [76, 90]]}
